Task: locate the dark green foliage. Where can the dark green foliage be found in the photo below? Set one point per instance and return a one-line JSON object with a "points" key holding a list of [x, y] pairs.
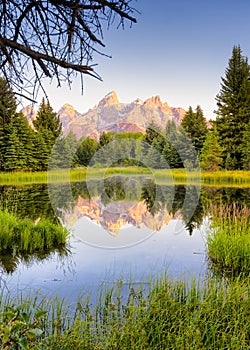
{"points": [[7, 103], [195, 126], [7, 112], [105, 138], [64, 153], [170, 155], [49, 128], [211, 153], [246, 148], [233, 111], [48, 120], [153, 156], [86, 151]]}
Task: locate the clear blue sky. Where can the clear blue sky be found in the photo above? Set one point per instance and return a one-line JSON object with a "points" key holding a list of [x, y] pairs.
{"points": [[178, 49]]}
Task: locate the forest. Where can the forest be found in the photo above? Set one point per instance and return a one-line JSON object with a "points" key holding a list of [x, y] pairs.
{"points": [[222, 143]]}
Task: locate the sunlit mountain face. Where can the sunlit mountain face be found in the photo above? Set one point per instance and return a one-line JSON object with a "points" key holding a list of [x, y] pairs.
{"points": [[110, 114]]}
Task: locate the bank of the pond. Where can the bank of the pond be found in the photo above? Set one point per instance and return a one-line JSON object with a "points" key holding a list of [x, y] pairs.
{"points": [[174, 176], [173, 315], [228, 243]]}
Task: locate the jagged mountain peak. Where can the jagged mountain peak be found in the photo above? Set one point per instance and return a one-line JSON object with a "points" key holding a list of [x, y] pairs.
{"points": [[67, 108], [111, 115], [110, 99], [154, 101]]}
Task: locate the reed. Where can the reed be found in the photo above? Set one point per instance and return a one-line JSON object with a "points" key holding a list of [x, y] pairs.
{"points": [[228, 244], [172, 315], [23, 239]]}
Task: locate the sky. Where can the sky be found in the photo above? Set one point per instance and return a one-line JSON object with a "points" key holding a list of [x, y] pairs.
{"points": [[178, 49]]}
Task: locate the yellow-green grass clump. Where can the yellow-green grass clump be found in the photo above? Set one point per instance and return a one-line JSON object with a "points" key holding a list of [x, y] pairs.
{"points": [[27, 237], [228, 243]]}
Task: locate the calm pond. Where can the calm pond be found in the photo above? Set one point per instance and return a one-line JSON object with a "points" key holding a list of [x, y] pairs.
{"points": [[120, 227]]}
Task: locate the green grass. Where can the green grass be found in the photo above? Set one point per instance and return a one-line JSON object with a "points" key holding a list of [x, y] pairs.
{"points": [[24, 239], [173, 315], [179, 176], [228, 245]]}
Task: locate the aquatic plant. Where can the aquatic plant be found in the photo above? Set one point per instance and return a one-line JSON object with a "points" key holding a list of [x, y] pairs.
{"points": [[25, 239], [228, 243], [172, 315]]}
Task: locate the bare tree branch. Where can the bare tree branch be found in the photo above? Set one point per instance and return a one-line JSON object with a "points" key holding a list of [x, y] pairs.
{"points": [[54, 39]]}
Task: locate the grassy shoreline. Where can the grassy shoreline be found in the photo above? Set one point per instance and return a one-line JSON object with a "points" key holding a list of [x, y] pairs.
{"points": [[176, 176], [172, 315]]}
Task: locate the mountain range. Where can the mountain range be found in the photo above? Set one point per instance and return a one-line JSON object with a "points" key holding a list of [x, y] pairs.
{"points": [[111, 115]]}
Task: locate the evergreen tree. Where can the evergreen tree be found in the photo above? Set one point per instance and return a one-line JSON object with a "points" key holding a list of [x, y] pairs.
{"points": [[63, 154], [152, 132], [195, 126], [86, 151], [170, 155], [7, 112], [41, 153], [173, 144], [48, 120], [105, 138], [8, 103], [14, 152], [153, 157], [49, 128], [26, 136], [211, 154], [233, 103], [153, 144], [246, 148]]}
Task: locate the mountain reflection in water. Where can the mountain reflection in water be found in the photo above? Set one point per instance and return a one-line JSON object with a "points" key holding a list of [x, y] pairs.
{"points": [[120, 210], [119, 202]]}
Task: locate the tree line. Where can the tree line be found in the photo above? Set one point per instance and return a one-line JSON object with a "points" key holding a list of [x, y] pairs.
{"points": [[224, 144]]}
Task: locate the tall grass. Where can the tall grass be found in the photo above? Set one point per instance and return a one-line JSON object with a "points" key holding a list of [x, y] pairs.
{"points": [[228, 244], [174, 315], [22, 238]]}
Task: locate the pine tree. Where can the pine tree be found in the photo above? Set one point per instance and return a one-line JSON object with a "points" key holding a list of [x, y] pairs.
{"points": [[49, 128], [233, 103], [211, 153], [7, 112], [246, 148], [8, 103], [170, 155], [172, 145], [195, 126], [86, 151], [153, 156], [48, 120], [14, 150], [152, 132], [26, 136]]}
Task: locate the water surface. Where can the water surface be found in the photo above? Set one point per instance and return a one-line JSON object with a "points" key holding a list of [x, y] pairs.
{"points": [[120, 228]]}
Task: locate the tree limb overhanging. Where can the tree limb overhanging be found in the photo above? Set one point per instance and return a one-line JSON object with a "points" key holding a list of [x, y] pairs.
{"points": [[55, 39]]}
